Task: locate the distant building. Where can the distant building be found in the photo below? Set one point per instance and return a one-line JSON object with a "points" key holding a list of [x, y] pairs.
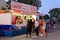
{"points": [[2, 4], [5, 4]]}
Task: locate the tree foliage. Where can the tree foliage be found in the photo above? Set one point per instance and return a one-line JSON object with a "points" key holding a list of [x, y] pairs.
{"points": [[36, 3], [55, 12], [46, 17]]}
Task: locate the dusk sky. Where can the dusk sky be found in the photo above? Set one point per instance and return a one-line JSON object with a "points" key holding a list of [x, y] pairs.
{"points": [[47, 5]]}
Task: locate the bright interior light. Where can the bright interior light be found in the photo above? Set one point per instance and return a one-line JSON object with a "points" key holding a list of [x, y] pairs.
{"points": [[6, 0], [34, 16]]}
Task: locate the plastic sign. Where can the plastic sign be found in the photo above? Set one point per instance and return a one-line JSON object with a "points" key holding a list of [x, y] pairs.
{"points": [[23, 7]]}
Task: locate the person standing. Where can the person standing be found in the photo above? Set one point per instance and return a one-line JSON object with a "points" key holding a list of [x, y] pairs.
{"points": [[37, 27], [47, 25], [33, 25], [52, 23], [43, 27], [29, 28]]}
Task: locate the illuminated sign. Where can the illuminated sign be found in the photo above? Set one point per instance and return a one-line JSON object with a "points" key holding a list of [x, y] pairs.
{"points": [[23, 7]]}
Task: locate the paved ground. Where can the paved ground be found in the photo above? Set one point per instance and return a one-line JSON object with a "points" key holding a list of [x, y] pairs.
{"points": [[50, 36]]}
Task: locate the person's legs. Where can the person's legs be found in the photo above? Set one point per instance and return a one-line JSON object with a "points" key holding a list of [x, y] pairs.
{"points": [[44, 33], [41, 30], [30, 30], [37, 31], [27, 32]]}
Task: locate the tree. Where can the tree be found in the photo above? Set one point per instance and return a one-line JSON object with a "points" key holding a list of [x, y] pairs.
{"points": [[46, 17], [36, 3], [55, 13]]}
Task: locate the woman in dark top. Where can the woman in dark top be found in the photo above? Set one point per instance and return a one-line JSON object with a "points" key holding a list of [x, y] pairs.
{"points": [[33, 24], [29, 28]]}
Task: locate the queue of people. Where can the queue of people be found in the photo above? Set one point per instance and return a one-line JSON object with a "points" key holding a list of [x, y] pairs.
{"points": [[38, 26]]}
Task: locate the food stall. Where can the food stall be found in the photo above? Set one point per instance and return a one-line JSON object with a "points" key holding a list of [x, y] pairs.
{"points": [[22, 12], [8, 28], [18, 14]]}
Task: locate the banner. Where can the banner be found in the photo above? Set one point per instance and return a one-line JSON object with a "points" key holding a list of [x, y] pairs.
{"points": [[16, 5], [24, 8]]}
